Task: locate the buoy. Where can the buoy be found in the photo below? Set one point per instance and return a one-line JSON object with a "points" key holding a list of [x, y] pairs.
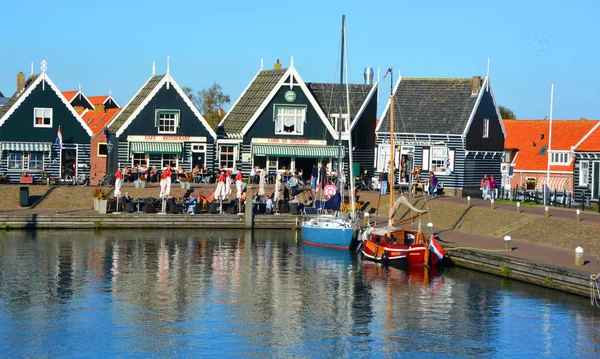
{"points": [[384, 256]]}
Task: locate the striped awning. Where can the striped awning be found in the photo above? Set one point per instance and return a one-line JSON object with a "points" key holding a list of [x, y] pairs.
{"points": [[556, 183], [296, 151], [27, 146], [156, 147]]}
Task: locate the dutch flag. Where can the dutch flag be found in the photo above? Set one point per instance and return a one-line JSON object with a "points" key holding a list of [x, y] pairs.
{"points": [[436, 248], [59, 139]]}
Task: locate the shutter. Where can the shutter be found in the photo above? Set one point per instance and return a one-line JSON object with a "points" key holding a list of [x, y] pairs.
{"points": [[451, 156], [425, 160]]}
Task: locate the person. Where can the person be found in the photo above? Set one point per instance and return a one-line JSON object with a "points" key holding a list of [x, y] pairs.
{"points": [[485, 187], [390, 238], [191, 205], [300, 177], [207, 175], [268, 203], [127, 198], [196, 174], [255, 197], [253, 174], [433, 183], [493, 189], [322, 176], [383, 178], [234, 171], [314, 176], [293, 182]]}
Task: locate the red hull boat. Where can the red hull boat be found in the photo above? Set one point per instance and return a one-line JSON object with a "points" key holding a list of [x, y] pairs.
{"points": [[398, 246]]}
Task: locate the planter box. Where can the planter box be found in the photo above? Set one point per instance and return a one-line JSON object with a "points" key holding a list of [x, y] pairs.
{"points": [[95, 203], [26, 180], [102, 204], [185, 185], [142, 184], [136, 183]]}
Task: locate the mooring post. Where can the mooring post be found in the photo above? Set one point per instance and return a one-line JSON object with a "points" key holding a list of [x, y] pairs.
{"points": [[579, 256], [507, 246], [578, 215], [469, 201], [546, 210], [249, 208], [518, 207], [492, 203]]}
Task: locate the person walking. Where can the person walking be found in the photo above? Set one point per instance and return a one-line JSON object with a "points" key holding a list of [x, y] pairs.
{"points": [[433, 184], [293, 182], [493, 189], [485, 187], [322, 176], [314, 176], [383, 181]]}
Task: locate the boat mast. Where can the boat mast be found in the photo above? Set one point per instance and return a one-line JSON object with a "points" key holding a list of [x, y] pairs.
{"points": [[339, 173], [391, 174], [350, 149]]}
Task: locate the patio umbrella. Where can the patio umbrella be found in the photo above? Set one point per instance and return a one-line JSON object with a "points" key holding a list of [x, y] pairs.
{"points": [[227, 184], [261, 187], [165, 183], [118, 184], [238, 185], [277, 187], [220, 187]]}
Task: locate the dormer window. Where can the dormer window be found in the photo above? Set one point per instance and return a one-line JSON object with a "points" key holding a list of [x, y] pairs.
{"points": [[167, 121], [334, 121], [42, 117], [289, 120], [559, 158], [486, 127]]}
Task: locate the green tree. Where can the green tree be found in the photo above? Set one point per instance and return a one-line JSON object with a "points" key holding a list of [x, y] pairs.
{"points": [[210, 102], [506, 113]]}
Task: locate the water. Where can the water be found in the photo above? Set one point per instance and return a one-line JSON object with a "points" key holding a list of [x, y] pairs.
{"points": [[223, 294]]}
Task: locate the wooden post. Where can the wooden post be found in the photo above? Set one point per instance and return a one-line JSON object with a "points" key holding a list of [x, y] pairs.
{"points": [[392, 152], [249, 208]]}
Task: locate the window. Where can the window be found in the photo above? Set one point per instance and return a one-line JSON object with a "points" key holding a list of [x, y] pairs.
{"points": [[559, 158], [168, 159], [530, 183], [140, 159], [102, 150], [486, 128], [197, 148], [507, 157], [42, 117], [289, 120], [439, 159], [227, 156], [18, 160], [334, 121], [584, 170], [167, 121], [383, 158]]}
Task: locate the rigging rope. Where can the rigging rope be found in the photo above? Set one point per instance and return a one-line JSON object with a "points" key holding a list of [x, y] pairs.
{"points": [[594, 290]]}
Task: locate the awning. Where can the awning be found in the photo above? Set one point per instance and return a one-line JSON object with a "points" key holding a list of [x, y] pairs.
{"points": [[156, 147], [27, 146], [556, 183], [296, 151]]}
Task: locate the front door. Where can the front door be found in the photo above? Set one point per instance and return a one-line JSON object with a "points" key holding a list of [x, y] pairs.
{"points": [[596, 182], [68, 162], [198, 159]]}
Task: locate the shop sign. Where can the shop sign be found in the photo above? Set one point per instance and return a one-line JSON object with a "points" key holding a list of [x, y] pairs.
{"points": [[289, 141], [290, 96], [420, 143], [166, 138], [245, 157]]}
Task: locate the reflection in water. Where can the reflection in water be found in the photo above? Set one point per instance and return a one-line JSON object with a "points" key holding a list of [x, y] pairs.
{"points": [[184, 293]]}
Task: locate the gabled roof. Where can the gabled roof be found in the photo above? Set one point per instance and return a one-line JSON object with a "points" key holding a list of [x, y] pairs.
{"points": [[530, 137], [30, 84], [97, 120], [431, 105], [69, 95], [255, 98], [144, 96], [101, 100], [74, 95], [328, 97], [590, 142]]}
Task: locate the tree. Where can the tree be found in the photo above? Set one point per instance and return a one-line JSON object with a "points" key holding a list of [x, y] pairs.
{"points": [[506, 113], [210, 102]]}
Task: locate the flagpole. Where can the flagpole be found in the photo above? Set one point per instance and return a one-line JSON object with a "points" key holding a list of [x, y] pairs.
{"points": [[549, 145]]}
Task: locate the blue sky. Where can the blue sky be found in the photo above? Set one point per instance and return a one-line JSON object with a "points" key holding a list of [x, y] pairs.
{"points": [[111, 45]]}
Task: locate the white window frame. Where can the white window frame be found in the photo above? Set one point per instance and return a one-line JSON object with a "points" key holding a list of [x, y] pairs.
{"points": [[45, 112], [25, 161], [486, 127], [560, 158], [139, 155], [235, 155], [171, 156], [345, 121], [98, 149], [29, 160], [175, 113], [198, 147], [298, 116], [584, 172], [383, 156], [440, 153]]}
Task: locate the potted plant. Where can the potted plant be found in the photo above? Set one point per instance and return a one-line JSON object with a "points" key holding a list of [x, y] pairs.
{"points": [[25, 178], [142, 180], [185, 182], [100, 200]]}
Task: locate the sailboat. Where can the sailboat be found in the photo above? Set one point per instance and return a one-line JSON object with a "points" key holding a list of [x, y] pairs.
{"points": [[393, 244], [334, 231]]}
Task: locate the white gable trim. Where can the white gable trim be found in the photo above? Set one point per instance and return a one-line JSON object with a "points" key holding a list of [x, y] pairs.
{"points": [[574, 148], [79, 93], [128, 103], [141, 106], [482, 91], [497, 111], [239, 98], [282, 81], [387, 105], [44, 77], [364, 105], [192, 107], [111, 98]]}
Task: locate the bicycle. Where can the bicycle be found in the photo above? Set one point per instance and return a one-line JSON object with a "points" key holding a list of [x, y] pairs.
{"points": [[104, 181]]}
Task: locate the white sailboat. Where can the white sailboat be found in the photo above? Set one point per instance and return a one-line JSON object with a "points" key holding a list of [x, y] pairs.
{"points": [[335, 231]]}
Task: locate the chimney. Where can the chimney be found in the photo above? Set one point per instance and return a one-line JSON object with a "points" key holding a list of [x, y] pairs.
{"points": [[368, 76], [277, 65], [476, 85], [20, 81]]}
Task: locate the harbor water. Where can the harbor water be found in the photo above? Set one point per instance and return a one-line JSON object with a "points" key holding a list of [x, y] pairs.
{"points": [[184, 293]]}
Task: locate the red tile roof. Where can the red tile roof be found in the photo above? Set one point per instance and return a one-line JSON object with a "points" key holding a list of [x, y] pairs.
{"points": [[591, 143], [529, 136], [69, 95], [96, 121], [97, 100]]}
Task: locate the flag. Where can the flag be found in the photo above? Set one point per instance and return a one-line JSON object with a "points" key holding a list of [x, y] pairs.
{"points": [[59, 139], [436, 248], [389, 70]]}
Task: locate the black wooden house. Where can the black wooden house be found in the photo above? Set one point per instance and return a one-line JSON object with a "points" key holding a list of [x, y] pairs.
{"points": [[280, 121], [160, 126], [29, 126], [451, 126]]}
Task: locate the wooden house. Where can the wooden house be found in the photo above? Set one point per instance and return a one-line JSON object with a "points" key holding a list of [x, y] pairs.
{"points": [[451, 126], [586, 168]]}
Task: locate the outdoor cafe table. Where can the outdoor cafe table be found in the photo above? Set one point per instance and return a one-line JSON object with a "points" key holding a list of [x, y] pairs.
{"points": [[137, 206]]}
